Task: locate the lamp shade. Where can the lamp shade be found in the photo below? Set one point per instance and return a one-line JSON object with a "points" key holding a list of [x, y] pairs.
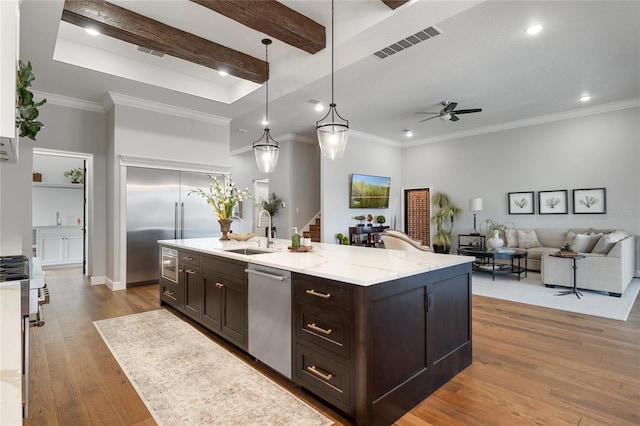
{"points": [[475, 204], [332, 136], [266, 151]]}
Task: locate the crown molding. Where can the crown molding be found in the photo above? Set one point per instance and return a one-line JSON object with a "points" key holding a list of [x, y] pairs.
{"points": [[162, 163], [373, 138], [68, 102], [113, 98], [582, 112]]}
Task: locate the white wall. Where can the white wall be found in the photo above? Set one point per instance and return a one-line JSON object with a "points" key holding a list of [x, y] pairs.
{"points": [[296, 180], [363, 155], [160, 137], [68, 202], [600, 150]]}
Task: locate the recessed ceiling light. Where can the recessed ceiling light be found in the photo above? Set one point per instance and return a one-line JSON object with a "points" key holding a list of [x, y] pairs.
{"points": [[407, 132], [534, 29], [223, 73], [318, 105], [585, 98], [242, 130], [92, 31], [265, 123]]}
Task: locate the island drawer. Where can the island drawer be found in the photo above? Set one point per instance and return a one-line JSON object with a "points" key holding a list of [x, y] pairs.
{"points": [[189, 258], [329, 379], [329, 330], [230, 268], [322, 292], [170, 293]]}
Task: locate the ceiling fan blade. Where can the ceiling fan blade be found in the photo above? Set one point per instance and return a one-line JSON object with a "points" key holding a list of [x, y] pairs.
{"points": [[467, 111], [430, 118], [436, 113], [454, 118], [450, 106]]}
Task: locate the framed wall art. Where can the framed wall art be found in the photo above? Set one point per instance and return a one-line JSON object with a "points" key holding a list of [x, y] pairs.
{"points": [[553, 202], [590, 201], [521, 202]]}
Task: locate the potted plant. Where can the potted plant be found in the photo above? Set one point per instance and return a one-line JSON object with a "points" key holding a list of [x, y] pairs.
{"points": [[76, 175], [272, 206], [26, 108], [443, 219], [339, 237], [380, 220], [223, 197]]}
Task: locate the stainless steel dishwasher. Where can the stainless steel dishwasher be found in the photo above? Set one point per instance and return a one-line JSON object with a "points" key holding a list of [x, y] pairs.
{"points": [[270, 317]]}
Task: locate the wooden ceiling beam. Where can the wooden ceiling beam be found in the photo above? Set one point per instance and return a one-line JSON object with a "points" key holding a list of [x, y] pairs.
{"points": [[137, 29], [275, 19], [394, 4]]}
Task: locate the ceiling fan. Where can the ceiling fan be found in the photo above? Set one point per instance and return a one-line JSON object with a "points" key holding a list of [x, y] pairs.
{"points": [[449, 112]]}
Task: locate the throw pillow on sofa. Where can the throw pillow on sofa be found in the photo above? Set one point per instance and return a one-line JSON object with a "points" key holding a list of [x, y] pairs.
{"points": [[512, 237], [569, 240], [607, 241], [584, 243], [528, 239]]}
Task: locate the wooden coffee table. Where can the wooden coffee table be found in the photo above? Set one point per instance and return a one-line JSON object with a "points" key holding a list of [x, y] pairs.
{"points": [[486, 260]]}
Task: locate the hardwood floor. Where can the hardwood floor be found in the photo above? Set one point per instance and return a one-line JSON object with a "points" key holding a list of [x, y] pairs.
{"points": [[531, 365]]}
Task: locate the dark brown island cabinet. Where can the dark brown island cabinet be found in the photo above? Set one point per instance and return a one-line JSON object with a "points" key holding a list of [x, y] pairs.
{"points": [[372, 352]]}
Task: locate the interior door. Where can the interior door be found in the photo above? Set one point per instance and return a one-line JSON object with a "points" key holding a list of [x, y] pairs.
{"points": [[417, 210]]}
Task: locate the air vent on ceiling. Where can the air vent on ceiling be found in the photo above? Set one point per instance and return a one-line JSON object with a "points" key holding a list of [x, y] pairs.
{"points": [[151, 52], [406, 43]]}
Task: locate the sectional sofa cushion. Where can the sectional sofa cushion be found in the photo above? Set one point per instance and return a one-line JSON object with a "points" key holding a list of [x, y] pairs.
{"points": [[584, 243], [527, 238], [607, 241], [511, 236]]}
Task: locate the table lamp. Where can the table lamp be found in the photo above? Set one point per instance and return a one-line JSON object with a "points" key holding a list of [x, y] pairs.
{"points": [[475, 204]]}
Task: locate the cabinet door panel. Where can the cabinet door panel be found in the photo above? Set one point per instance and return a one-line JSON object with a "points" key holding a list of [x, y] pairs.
{"points": [[75, 249], [192, 292], [51, 250], [234, 314], [211, 301], [399, 338]]}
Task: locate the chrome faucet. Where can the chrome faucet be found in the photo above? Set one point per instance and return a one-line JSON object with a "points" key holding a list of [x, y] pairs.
{"points": [[269, 239]]}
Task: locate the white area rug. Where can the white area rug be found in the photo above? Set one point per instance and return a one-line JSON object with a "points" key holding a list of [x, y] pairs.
{"points": [[186, 379], [531, 291]]}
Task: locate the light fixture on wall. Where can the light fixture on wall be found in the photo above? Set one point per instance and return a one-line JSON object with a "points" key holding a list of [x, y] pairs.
{"points": [[266, 149], [475, 204], [333, 130]]}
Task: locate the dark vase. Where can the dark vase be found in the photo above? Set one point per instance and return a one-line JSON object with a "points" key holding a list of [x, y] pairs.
{"points": [[439, 248]]}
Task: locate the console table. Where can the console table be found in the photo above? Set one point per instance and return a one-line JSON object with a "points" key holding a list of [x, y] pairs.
{"points": [[486, 260], [368, 236]]}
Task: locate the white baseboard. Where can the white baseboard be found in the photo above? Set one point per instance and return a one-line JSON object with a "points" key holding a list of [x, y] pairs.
{"points": [[97, 280], [115, 285]]}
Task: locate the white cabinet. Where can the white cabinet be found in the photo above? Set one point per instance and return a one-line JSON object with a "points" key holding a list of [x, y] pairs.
{"points": [[9, 28], [62, 245]]}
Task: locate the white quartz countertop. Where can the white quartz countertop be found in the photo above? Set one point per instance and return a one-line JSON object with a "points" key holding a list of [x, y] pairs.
{"points": [[351, 264]]}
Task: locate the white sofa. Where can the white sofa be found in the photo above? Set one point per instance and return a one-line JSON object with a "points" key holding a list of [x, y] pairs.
{"points": [[610, 268]]}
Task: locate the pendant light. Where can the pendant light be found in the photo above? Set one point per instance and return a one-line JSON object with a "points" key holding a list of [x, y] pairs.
{"points": [[332, 129], [266, 148]]}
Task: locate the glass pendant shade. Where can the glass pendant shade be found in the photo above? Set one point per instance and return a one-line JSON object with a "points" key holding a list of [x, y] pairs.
{"points": [[332, 134], [266, 148], [333, 130], [267, 151]]}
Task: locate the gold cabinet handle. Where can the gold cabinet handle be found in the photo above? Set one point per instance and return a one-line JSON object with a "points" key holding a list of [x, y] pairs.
{"points": [[219, 285], [314, 327], [190, 271], [318, 294], [187, 257], [314, 370]]}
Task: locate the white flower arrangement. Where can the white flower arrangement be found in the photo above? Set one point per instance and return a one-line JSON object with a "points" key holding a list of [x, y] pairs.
{"points": [[223, 197]]}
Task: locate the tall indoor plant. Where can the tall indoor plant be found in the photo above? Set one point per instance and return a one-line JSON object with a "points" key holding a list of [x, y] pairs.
{"points": [[26, 108], [443, 219]]}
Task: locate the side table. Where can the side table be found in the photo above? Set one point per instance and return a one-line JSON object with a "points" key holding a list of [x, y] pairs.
{"points": [[575, 267]]}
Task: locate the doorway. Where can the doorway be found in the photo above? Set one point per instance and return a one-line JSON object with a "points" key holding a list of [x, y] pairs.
{"points": [[62, 210], [417, 214]]}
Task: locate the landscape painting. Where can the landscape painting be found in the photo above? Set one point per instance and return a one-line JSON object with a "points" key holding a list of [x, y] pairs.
{"points": [[369, 192]]}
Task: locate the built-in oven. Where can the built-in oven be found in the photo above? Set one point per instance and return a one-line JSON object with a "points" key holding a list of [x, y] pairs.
{"points": [[169, 264]]}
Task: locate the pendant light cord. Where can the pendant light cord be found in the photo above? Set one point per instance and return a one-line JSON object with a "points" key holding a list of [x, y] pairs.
{"points": [[266, 55]]}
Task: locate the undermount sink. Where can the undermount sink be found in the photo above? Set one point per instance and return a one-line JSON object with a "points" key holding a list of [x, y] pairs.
{"points": [[247, 251]]}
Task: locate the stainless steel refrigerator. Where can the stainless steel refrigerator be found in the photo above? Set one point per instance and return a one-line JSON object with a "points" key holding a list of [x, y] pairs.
{"points": [[159, 208]]}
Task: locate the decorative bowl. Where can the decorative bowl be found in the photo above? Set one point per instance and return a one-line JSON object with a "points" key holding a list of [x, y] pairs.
{"points": [[241, 236]]}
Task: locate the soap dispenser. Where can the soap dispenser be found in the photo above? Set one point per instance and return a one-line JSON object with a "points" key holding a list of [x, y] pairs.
{"points": [[295, 238]]}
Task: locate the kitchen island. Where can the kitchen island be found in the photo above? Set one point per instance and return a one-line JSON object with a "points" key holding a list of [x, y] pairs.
{"points": [[374, 332]]}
